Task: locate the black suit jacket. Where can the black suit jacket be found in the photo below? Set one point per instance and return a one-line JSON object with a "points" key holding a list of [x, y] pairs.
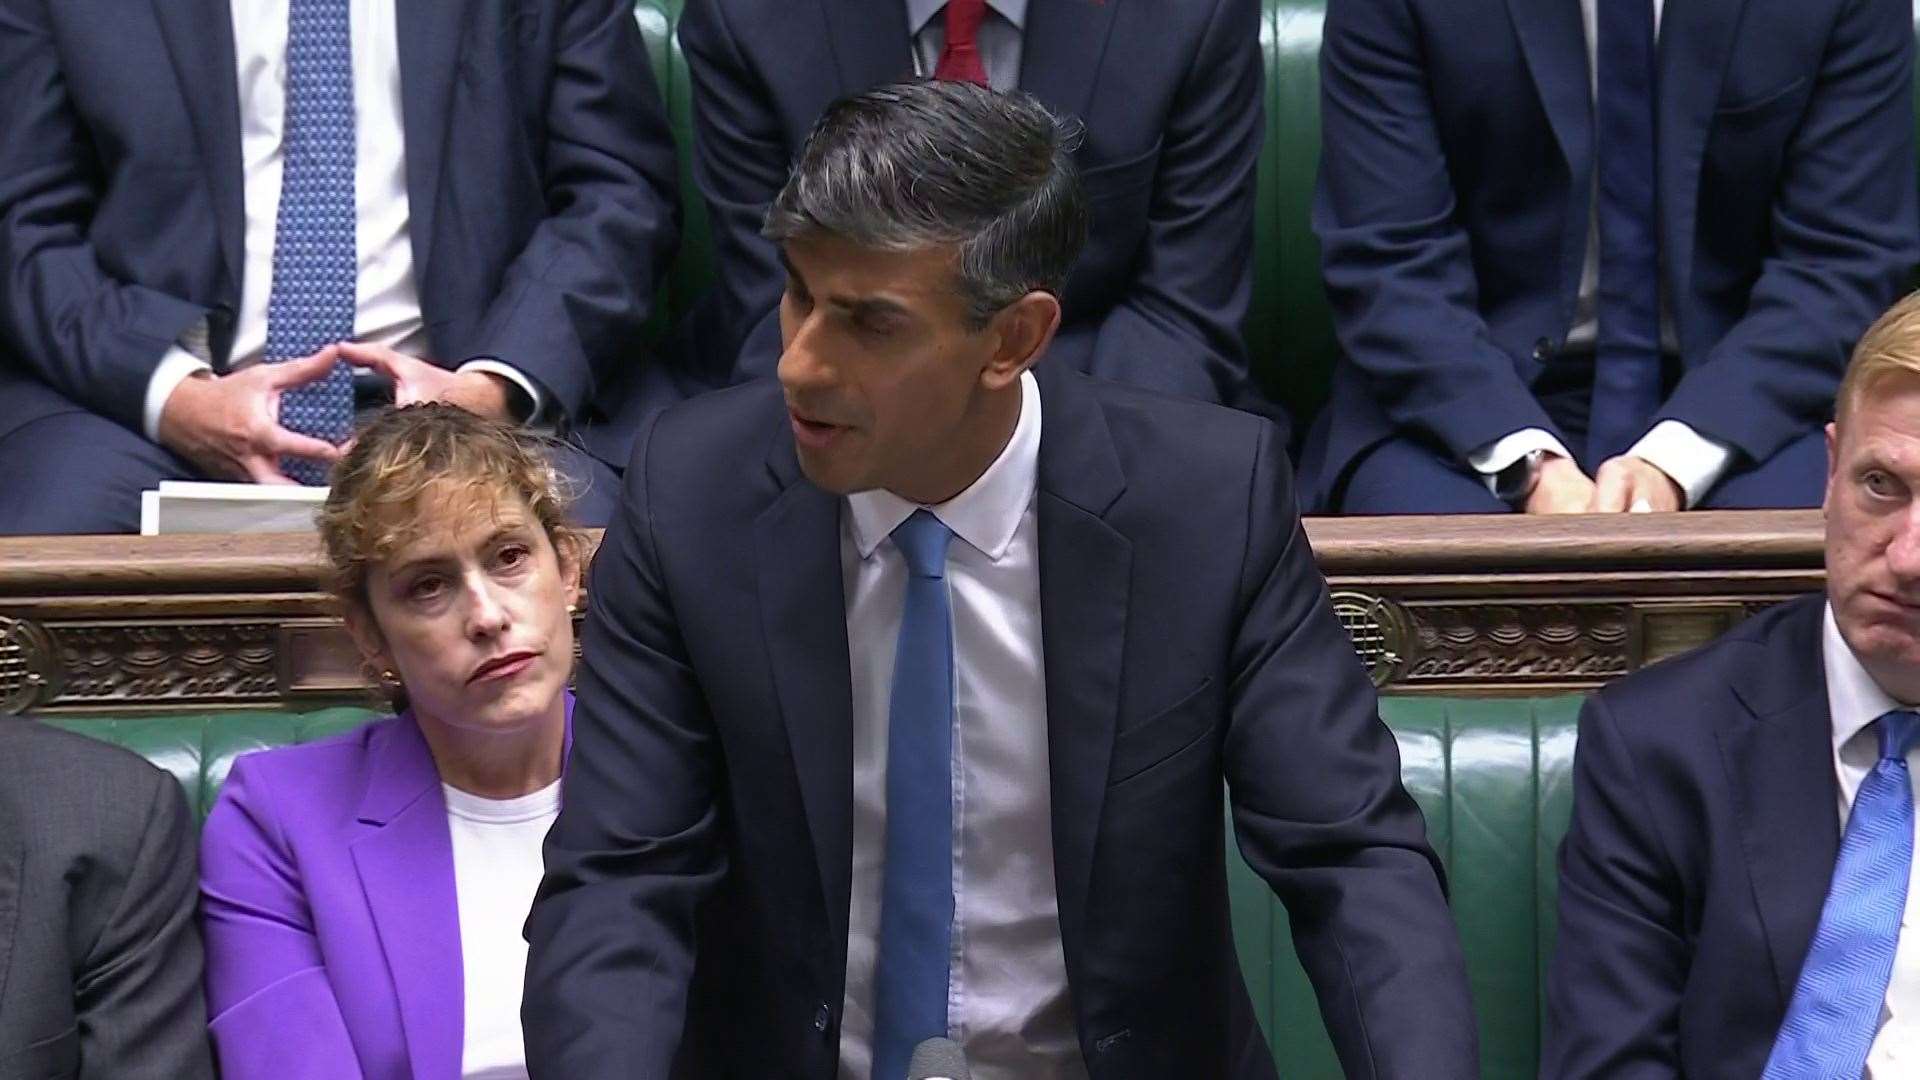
{"points": [[1188, 639], [1170, 95], [99, 952], [1705, 829], [540, 179], [1456, 184]]}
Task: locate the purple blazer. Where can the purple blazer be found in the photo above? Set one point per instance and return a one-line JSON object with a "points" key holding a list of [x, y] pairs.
{"points": [[328, 904]]}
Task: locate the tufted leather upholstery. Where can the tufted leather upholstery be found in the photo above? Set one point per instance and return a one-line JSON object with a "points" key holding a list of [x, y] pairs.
{"points": [[1491, 774]]}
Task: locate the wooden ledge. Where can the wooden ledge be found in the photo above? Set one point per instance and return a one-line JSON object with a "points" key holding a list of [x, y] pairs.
{"points": [[1457, 605]]}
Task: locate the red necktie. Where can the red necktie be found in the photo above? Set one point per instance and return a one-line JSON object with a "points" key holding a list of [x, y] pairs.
{"points": [[960, 60]]}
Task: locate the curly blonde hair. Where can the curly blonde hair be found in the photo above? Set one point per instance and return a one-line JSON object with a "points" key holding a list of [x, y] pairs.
{"points": [[1889, 348], [410, 459]]}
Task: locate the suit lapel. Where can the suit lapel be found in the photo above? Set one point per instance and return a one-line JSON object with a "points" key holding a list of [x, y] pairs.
{"points": [[429, 42], [1085, 568], [870, 42], [1555, 46], [199, 38], [803, 620], [406, 870], [1060, 51], [1696, 39], [1779, 751]]}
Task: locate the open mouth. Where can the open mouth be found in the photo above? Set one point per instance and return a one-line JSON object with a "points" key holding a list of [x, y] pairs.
{"points": [[814, 434]]}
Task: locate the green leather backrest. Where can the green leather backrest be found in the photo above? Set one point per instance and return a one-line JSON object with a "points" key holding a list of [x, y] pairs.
{"points": [[1490, 774]]}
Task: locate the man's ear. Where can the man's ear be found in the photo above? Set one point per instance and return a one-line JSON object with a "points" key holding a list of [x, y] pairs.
{"points": [[1022, 331]]}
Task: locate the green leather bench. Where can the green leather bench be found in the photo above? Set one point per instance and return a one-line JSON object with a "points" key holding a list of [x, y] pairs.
{"points": [[1289, 330], [1491, 775]]}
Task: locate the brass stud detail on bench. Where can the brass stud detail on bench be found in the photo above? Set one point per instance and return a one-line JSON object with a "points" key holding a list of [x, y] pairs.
{"points": [[1379, 631], [29, 666]]}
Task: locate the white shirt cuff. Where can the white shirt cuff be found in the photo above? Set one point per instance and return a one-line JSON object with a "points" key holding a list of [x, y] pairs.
{"points": [[514, 376], [1490, 459], [184, 360], [1690, 459]]}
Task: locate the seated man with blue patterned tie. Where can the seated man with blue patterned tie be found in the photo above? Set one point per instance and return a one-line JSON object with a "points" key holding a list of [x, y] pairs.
{"points": [[1602, 255], [213, 212], [1735, 880], [913, 682]]}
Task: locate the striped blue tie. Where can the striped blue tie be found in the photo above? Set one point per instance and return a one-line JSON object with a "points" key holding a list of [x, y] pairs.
{"points": [[1835, 1012], [311, 302], [916, 889]]}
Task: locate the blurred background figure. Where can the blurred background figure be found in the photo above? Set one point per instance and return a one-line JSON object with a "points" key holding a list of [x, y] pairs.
{"points": [[373, 885]]}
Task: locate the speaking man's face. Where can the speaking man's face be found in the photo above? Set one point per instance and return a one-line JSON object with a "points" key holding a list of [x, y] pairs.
{"points": [[1873, 531], [882, 368]]}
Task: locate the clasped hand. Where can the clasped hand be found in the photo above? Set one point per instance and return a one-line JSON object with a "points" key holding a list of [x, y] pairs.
{"points": [[229, 425], [1622, 483]]}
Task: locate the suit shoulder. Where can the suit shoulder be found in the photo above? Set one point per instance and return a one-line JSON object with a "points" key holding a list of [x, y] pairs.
{"points": [[1774, 655], [1192, 432], [315, 766], [68, 760], [719, 424]]}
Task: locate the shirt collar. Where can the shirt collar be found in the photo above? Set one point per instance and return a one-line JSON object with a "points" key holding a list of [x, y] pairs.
{"points": [[1854, 700], [921, 12], [988, 513]]}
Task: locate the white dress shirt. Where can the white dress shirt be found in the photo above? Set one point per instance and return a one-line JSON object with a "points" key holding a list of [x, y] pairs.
{"points": [[1694, 461], [1855, 701], [496, 868], [1007, 1001], [998, 40], [388, 301]]}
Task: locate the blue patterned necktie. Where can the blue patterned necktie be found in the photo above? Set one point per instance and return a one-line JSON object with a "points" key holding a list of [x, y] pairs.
{"points": [[916, 889], [1626, 369], [1835, 1012], [311, 302]]}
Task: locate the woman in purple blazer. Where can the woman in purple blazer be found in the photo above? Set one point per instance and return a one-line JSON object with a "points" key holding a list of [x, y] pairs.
{"points": [[362, 896]]}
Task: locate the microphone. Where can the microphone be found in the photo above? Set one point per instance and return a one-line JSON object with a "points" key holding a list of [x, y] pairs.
{"points": [[938, 1059]]}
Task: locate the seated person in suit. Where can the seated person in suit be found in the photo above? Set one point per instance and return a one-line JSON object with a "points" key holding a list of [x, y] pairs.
{"points": [[99, 951], [880, 733], [1602, 255], [1169, 96], [1734, 884], [363, 894], [200, 198]]}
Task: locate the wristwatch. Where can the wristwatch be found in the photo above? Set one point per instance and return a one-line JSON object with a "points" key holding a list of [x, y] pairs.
{"points": [[1514, 483]]}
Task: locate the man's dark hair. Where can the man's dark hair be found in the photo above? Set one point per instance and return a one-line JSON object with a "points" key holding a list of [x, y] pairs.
{"points": [[911, 165]]}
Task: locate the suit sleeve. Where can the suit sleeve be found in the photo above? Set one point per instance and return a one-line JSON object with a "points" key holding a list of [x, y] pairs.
{"points": [[635, 848], [1845, 235], [1620, 967], [572, 303], [1320, 813], [263, 960], [740, 162], [137, 994], [1398, 271], [65, 318], [1178, 326]]}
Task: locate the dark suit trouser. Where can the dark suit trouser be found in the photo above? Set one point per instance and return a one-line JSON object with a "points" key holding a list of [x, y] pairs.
{"points": [[77, 472]]}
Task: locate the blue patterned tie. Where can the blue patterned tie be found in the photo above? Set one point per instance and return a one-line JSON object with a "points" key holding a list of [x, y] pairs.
{"points": [[312, 299], [916, 889], [1835, 1012], [1626, 370]]}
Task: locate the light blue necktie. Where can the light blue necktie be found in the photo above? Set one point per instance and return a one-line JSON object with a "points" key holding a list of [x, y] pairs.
{"points": [[311, 301], [1835, 1012], [916, 890]]}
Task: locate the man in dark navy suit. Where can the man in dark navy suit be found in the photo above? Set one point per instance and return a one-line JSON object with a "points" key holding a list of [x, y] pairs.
{"points": [[1734, 885], [1169, 96], [1601, 255], [912, 680], [200, 198]]}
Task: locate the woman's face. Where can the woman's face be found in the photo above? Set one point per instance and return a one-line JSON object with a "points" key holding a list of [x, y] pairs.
{"points": [[472, 614]]}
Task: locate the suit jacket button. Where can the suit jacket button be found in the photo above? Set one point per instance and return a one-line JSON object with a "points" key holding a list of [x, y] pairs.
{"points": [[822, 1017], [1543, 350]]}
